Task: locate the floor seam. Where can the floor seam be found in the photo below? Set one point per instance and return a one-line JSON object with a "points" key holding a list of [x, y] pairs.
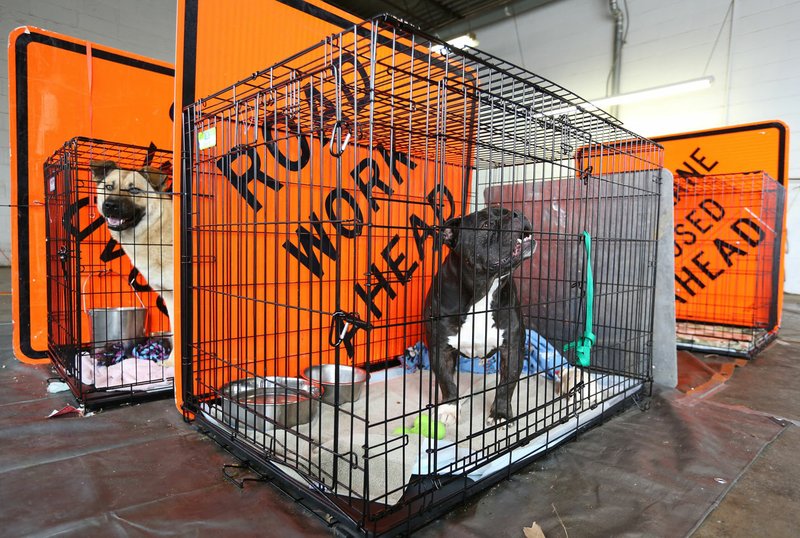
{"points": [[177, 433], [734, 482]]}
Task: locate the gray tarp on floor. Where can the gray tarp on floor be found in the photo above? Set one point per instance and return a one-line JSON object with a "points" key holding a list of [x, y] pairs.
{"points": [[141, 471], [640, 474]]}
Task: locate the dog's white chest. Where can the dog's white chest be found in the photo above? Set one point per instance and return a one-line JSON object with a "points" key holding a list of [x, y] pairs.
{"points": [[478, 335]]}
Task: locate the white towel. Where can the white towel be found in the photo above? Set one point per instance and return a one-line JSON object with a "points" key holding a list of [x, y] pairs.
{"points": [[129, 372]]}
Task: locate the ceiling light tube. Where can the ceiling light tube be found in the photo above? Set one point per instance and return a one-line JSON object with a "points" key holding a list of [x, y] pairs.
{"points": [[634, 97], [655, 93], [466, 40]]}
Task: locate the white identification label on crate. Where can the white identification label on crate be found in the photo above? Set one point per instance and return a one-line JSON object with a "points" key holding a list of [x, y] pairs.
{"points": [[207, 139]]}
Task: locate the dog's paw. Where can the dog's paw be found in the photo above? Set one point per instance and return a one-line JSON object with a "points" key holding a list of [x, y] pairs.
{"points": [[499, 415], [571, 381], [565, 381], [493, 422], [580, 386], [592, 393], [448, 413]]}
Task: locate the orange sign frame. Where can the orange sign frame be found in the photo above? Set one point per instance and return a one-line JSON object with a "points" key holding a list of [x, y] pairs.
{"points": [[62, 87], [748, 147]]}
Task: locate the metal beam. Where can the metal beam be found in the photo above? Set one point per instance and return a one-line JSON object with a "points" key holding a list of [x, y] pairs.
{"points": [[490, 17]]}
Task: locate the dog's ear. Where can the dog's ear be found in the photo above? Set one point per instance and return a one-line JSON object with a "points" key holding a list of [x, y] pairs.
{"points": [[157, 178], [100, 169], [450, 230]]}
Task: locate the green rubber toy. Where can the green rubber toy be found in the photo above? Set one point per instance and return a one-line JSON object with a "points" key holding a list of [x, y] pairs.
{"points": [[425, 427]]}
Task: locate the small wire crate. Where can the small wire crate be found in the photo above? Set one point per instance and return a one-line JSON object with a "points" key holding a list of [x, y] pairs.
{"points": [[349, 206], [108, 328], [728, 230]]}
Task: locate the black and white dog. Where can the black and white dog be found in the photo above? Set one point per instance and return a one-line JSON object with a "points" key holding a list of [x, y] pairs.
{"points": [[472, 306]]}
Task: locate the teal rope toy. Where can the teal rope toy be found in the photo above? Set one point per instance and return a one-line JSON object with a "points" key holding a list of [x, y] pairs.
{"points": [[583, 345]]}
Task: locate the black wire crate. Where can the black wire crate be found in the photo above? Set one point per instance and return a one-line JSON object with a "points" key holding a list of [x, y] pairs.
{"points": [[106, 205], [408, 270]]}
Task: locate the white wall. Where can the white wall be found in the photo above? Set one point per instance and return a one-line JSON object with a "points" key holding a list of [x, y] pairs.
{"points": [[756, 62], [145, 27], [793, 238], [756, 65]]}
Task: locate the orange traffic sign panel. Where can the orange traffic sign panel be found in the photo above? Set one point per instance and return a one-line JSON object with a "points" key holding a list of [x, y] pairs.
{"points": [[222, 42], [729, 221], [60, 88], [727, 234]]}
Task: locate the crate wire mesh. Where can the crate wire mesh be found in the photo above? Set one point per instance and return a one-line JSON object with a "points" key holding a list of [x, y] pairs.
{"points": [[728, 231], [316, 193], [108, 329]]}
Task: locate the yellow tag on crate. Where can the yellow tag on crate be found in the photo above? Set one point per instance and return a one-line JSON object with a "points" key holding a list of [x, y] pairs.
{"points": [[207, 139]]}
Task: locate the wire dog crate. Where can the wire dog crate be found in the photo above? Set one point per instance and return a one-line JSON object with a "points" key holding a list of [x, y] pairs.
{"points": [[321, 199], [108, 330], [728, 231]]}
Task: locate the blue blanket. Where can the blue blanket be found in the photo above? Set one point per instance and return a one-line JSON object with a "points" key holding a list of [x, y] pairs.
{"points": [[540, 356]]}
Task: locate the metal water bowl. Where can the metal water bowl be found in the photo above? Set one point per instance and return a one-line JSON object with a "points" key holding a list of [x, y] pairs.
{"points": [[123, 324], [351, 381], [264, 403]]}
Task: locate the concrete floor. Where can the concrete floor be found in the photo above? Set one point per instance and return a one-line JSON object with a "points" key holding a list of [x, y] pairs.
{"points": [[764, 501], [723, 463]]}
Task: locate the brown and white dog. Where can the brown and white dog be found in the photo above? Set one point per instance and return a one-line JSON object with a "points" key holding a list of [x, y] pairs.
{"points": [[138, 212]]}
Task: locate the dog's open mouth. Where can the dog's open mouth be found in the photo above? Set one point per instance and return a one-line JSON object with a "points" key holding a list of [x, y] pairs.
{"points": [[118, 224], [524, 247]]}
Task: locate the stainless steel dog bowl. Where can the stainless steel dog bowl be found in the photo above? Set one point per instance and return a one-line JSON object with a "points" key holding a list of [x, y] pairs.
{"points": [[123, 325], [351, 381], [263, 403]]}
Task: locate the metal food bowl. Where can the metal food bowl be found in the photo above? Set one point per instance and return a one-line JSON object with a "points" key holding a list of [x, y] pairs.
{"points": [[351, 381], [124, 325], [263, 403]]}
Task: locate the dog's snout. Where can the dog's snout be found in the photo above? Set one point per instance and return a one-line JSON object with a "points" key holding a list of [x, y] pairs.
{"points": [[110, 205], [519, 223]]}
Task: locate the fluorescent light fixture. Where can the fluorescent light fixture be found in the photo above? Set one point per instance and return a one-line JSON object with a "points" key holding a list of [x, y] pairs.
{"points": [[655, 93], [637, 96], [466, 40]]}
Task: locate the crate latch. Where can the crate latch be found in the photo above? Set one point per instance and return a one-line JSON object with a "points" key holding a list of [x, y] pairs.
{"points": [[343, 328]]}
